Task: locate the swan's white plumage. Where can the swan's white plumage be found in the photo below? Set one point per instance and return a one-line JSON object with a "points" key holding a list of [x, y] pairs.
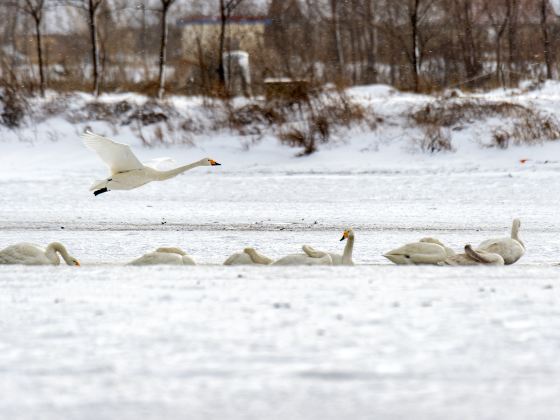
{"points": [[511, 249], [417, 253], [126, 171], [31, 254], [304, 259], [249, 256], [117, 156], [164, 256], [337, 259], [474, 257]]}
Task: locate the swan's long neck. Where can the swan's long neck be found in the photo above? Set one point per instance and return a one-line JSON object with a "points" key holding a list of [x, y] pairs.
{"points": [[515, 232], [57, 247], [256, 257], [163, 175], [347, 254]]}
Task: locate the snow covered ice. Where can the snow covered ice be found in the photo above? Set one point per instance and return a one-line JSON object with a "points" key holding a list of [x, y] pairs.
{"points": [[107, 341]]}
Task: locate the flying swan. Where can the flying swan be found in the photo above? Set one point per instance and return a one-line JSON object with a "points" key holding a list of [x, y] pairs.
{"points": [[164, 256], [31, 254], [248, 256], [474, 257], [425, 251], [511, 249], [127, 172], [337, 259]]}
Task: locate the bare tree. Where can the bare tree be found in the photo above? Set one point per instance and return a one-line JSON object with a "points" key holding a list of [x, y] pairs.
{"points": [[546, 38], [91, 9], [337, 43], [165, 5], [227, 7], [35, 9], [498, 14]]}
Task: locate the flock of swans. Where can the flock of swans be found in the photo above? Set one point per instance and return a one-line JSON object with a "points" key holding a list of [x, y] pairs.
{"points": [[427, 251], [127, 172]]}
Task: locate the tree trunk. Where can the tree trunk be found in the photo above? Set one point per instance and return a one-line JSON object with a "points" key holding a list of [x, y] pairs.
{"points": [[163, 51], [371, 72], [512, 40], [39, 40], [546, 40], [94, 47], [339, 63], [414, 38], [223, 22]]}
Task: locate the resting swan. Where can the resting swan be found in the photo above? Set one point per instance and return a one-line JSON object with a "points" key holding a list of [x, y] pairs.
{"points": [[249, 256], [164, 256], [511, 249], [304, 259], [127, 172], [31, 254], [337, 259], [426, 251], [472, 257]]}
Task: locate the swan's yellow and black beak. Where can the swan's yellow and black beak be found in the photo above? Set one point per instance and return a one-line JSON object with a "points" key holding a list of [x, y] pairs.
{"points": [[344, 235], [214, 163], [77, 263]]}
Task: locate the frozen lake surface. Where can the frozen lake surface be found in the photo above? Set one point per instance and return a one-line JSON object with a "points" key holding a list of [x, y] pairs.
{"points": [[106, 341]]}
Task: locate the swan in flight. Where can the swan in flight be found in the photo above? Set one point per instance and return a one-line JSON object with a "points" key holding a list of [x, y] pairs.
{"points": [[164, 256], [474, 257], [511, 249], [127, 172], [31, 254], [249, 256], [426, 251], [337, 259]]}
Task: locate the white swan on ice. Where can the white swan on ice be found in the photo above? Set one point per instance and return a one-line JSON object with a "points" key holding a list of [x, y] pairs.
{"points": [[31, 254], [425, 251], [248, 256], [337, 259], [126, 171], [474, 257], [304, 259], [164, 256], [511, 249]]}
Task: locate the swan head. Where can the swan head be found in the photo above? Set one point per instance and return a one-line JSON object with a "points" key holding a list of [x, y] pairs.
{"points": [[73, 261], [209, 162], [347, 234]]}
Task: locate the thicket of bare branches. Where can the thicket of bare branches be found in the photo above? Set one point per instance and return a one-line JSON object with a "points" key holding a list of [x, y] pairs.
{"points": [[419, 45]]}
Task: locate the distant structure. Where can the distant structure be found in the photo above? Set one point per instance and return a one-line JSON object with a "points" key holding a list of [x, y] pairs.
{"points": [[201, 33], [237, 72]]}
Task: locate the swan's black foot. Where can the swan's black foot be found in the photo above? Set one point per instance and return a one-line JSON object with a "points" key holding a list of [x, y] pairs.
{"points": [[101, 191]]}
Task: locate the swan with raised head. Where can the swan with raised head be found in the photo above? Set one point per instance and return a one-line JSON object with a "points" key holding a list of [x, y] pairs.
{"points": [[126, 171], [425, 251], [511, 249], [304, 259], [337, 259], [31, 254], [164, 256], [248, 256], [474, 257]]}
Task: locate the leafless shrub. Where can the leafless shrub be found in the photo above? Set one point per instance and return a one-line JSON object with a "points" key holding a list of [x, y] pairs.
{"points": [[436, 139], [151, 112], [304, 124], [12, 106], [447, 113], [525, 125], [530, 129]]}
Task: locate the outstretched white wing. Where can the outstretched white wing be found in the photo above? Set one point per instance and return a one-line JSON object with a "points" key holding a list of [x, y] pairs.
{"points": [[159, 163], [117, 156]]}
